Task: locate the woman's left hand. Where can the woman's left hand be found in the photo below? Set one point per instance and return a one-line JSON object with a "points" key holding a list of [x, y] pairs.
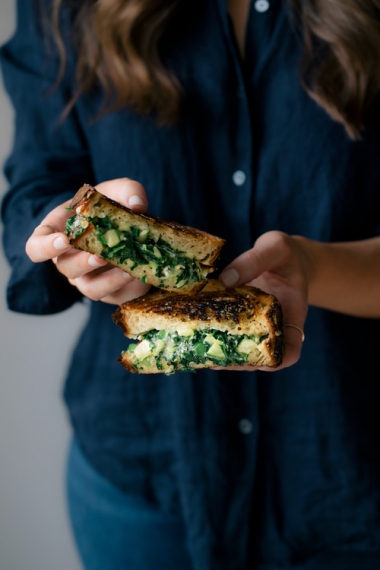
{"points": [[278, 265]]}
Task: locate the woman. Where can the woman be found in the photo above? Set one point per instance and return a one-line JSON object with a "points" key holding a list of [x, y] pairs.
{"points": [[196, 111]]}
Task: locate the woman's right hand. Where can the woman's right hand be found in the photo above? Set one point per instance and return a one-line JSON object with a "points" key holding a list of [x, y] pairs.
{"points": [[90, 274]]}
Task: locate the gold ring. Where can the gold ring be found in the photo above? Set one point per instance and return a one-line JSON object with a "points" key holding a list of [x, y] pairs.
{"points": [[298, 329]]}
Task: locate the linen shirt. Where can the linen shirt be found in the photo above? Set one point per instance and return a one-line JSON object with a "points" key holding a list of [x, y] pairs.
{"points": [[269, 471]]}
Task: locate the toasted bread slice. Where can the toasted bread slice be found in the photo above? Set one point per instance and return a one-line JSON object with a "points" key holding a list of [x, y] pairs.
{"points": [[164, 254], [218, 327]]}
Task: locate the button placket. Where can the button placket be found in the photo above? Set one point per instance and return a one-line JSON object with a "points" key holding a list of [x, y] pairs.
{"points": [[239, 177], [261, 6], [245, 426]]}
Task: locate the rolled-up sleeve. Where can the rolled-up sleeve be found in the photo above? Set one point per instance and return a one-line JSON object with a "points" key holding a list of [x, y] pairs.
{"points": [[49, 161]]}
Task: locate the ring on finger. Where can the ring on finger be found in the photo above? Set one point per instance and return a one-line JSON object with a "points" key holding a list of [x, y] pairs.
{"points": [[298, 329]]}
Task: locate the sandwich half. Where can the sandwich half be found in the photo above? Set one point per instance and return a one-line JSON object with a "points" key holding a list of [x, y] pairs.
{"points": [[164, 254], [217, 327]]}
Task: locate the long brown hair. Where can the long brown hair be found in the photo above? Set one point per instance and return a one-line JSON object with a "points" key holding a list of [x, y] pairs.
{"points": [[117, 45], [117, 42], [340, 67]]}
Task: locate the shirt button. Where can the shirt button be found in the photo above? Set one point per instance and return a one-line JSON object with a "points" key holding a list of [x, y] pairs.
{"points": [[239, 177], [245, 426], [261, 5]]}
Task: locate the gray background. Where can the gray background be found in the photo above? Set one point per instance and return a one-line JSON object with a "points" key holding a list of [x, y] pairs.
{"points": [[34, 431]]}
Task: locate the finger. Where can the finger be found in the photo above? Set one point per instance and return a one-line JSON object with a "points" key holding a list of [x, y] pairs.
{"points": [[248, 368], [75, 263], [48, 239], [127, 293], [236, 368], [46, 243], [97, 286], [127, 192], [269, 252], [56, 219], [293, 346]]}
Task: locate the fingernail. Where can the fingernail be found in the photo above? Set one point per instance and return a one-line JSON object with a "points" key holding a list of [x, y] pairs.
{"points": [[230, 277], [126, 275], [136, 201], [95, 261], [60, 243]]}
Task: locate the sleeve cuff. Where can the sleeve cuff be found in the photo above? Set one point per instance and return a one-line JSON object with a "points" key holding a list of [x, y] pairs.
{"points": [[41, 291]]}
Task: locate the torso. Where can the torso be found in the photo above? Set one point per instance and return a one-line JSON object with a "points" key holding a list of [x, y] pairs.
{"points": [[239, 10]]}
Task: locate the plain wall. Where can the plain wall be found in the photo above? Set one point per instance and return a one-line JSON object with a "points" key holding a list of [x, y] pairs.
{"points": [[34, 431]]}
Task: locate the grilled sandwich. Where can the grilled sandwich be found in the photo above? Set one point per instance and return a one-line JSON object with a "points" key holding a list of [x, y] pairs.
{"points": [[217, 327], [164, 254]]}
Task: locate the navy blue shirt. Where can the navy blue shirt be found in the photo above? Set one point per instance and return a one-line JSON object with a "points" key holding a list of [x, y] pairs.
{"points": [[269, 471]]}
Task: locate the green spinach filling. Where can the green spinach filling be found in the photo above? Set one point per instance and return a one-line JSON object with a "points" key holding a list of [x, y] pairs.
{"points": [[141, 248], [171, 352], [74, 227]]}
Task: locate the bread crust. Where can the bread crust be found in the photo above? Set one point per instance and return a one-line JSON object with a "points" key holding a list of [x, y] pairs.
{"points": [[84, 195], [241, 311], [192, 240]]}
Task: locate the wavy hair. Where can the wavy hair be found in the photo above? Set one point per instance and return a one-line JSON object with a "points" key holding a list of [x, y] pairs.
{"points": [[339, 67], [117, 43]]}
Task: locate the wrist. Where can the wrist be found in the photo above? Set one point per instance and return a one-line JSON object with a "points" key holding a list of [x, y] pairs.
{"points": [[311, 255]]}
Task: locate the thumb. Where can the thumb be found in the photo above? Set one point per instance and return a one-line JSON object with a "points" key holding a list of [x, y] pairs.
{"points": [[126, 192], [269, 253]]}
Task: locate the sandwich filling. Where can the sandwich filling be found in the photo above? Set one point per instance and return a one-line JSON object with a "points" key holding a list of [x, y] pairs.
{"points": [[136, 246], [170, 352]]}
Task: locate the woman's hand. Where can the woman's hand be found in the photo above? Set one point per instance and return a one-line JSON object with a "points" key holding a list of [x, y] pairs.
{"points": [[92, 275], [276, 264]]}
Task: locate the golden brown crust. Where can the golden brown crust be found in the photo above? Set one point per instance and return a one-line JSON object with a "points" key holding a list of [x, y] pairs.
{"points": [[275, 342], [203, 247], [85, 194], [243, 310], [124, 361], [230, 306], [82, 196]]}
